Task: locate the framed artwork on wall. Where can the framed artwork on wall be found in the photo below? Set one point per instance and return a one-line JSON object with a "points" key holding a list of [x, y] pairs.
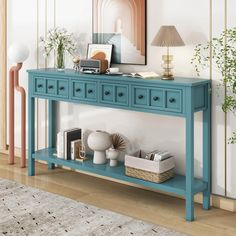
{"points": [[121, 23]]}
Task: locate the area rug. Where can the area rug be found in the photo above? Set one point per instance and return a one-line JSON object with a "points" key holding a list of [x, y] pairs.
{"points": [[28, 211]]}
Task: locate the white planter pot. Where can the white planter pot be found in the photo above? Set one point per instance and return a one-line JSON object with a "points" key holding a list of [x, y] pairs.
{"points": [[99, 142]]}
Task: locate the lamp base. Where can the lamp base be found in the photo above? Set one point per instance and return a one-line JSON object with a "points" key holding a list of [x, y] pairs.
{"points": [[167, 77], [167, 67]]}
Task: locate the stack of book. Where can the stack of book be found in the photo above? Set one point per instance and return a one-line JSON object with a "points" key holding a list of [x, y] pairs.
{"points": [[67, 142], [158, 155]]}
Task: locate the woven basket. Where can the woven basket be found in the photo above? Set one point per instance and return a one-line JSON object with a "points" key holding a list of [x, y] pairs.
{"points": [[150, 176]]}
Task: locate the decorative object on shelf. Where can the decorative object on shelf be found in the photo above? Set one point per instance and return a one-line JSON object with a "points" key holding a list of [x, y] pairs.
{"points": [[118, 145], [61, 42], [99, 141], [167, 36], [100, 52], [93, 66], [76, 62], [224, 58], [78, 152], [18, 53], [155, 171], [122, 24], [114, 71], [113, 155]]}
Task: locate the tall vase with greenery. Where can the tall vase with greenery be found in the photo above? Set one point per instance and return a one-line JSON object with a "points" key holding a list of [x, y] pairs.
{"points": [[61, 42], [224, 58]]}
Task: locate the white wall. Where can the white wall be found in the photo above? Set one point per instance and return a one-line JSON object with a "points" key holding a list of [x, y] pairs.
{"points": [[145, 131]]}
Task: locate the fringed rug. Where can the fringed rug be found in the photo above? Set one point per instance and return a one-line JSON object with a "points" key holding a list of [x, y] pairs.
{"points": [[28, 211]]}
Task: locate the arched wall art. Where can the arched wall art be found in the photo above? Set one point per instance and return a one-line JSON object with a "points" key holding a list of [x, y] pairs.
{"points": [[121, 23]]}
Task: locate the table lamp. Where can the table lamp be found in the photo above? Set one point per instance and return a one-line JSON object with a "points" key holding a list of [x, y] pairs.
{"points": [[17, 53], [167, 37]]}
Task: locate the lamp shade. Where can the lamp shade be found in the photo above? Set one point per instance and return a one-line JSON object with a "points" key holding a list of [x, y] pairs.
{"points": [[18, 52], [168, 36]]}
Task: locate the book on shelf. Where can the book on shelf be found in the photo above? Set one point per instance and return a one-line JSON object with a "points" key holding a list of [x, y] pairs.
{"points": [[143, 75], [75, 149], [64, 139], [70, 136]]}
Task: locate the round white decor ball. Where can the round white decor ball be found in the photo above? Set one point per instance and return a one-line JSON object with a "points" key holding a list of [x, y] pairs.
{"points": [[18, 52]]}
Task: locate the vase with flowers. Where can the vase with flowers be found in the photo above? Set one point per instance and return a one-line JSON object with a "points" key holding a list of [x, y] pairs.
{"points": [[61, 42]]}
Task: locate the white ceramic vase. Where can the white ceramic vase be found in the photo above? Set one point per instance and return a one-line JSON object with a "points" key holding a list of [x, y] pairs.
{"points": [[99, 142], [113, 155]]}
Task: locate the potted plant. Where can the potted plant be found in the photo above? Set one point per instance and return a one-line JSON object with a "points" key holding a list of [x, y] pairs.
{"points": [[61, 42], [223, 53]]}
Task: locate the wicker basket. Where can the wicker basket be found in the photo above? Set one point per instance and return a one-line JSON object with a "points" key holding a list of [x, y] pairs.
{"points": [[149, 176]]}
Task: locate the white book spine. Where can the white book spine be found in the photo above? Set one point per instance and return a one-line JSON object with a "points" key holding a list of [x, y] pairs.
{"points": [[72, 151], [60, 145]]}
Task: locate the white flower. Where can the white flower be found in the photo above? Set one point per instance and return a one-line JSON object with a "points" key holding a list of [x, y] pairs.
{"points": [[58, 39]]}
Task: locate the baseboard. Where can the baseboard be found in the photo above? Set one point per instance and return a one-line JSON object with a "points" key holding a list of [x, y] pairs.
{"points": [[17, 152]]}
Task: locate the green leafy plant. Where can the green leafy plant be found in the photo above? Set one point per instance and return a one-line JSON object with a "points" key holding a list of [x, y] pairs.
{"points": [[223, 54]]}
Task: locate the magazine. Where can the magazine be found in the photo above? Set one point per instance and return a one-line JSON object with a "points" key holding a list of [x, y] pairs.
{"points": [[143, 75]]}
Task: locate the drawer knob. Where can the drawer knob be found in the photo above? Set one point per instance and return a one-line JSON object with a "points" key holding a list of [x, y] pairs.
{"points": [[62, 88], [156, 98], [172, 100], [78, 90], [120, 94], [107, 93], [40, 85], [50, 86], [90, 91], [140, 97]]}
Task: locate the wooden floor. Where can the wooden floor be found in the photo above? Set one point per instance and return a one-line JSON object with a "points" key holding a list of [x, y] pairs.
{"points": [[138, 203]]}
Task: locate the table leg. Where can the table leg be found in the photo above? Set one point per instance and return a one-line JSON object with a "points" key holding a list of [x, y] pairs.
{"points": [[51, 128], [207, 152], [189, 168], [31, 136]]}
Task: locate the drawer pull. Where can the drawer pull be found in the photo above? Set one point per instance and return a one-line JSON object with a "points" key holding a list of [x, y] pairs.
{"points": [[107, 93], [156, 98], [120, 94], [78, 90], [140, 97], [40, 85], [90, 91], [62, 88], [50, 86], [172, 100]]}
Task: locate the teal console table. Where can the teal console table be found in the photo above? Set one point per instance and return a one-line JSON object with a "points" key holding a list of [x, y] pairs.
{"points": [[181, 97]]}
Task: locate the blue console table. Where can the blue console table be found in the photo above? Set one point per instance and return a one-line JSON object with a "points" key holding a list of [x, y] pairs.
{"points": [[180, 97]]}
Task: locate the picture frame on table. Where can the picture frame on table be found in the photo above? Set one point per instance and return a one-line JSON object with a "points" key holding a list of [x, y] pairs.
{"points": [[100, 49]]}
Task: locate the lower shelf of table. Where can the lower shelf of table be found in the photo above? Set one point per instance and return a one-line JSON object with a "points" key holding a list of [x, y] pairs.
{"points": [[175, 185]]}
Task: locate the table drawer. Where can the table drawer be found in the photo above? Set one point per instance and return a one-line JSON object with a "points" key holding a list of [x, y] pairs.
{"points": [[140, 97], [114, 94], [83, 90], [157, 98], [63, 88], [174, 100], [162, 99], [40, 85], [51, 87]]}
